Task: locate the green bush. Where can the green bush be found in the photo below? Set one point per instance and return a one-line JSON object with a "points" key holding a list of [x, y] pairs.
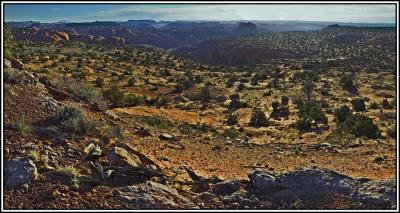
{"points": [[342, 113], [358, 105], [99, 82], [132, 100], [304, 123], [347, 81], [284, 100], [131, 82], [74, 120], [114, 96], [231, 133], [156, 122], [12, 75], [392, 132], [275, 106], [361, 125], [71, 172], [232, 119], [386, 104], [23, 127], [235, 102], [374, 105], [258, 118]]}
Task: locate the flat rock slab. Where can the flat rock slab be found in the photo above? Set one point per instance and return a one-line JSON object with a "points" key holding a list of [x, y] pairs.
{"points": [[153, 195], [309, 184]]}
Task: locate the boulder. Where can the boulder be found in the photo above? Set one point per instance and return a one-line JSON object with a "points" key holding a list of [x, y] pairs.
{"points": [[19, 171], [226, 187], [120, 157], [153, 195], [309, 184]]}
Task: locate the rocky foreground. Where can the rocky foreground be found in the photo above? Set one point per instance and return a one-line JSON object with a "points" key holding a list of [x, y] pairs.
{"points": [[118, 177]]}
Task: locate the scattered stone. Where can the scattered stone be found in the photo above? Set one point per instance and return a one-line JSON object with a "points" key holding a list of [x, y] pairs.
{"points": [[166, 136], [19, 171], [120, 157], [152, 195], [93, 150]]}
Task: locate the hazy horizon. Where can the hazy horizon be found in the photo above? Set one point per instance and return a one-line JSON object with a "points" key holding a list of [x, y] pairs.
{"points": [[341, 13]]}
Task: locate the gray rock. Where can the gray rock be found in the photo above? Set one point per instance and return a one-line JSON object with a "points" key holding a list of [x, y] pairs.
{"points": [[166, 136], [120, 157], [226, 187], [311, 183], [152, 195], [19, 171]]}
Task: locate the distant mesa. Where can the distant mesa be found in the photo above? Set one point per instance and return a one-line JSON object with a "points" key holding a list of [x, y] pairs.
{"points": [[244, 28]]}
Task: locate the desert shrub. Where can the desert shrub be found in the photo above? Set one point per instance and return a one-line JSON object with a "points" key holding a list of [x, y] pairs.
{"points": [[392, 132], [232, 119], [313, 111], [99, 82], [205, 94], [358, 104], [72, 173], [361, 125], [284, 100], [156, 122], [34, 155], [132, 100], [161, 101], [12, 75], [75, 120], [324, 91], [304, 123], [23, 127], [114, 132], [79, 75], [342, 113], [89, 94], [347, 83], [183, 84], [258, 118], [386, 104], [114, 96], [235, 102], [275, 106], [131, 82], [231, 81], [374, 105], [231, 133], [240, 87]]}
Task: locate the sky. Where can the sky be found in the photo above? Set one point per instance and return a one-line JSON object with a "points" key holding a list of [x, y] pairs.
{"points": [[356, 13]]}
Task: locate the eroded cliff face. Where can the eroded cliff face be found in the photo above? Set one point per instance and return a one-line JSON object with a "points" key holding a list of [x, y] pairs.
{"points": [[45, 35]]}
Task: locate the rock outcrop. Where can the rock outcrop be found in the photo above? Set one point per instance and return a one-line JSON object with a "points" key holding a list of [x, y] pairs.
{"points": [[120, 157], [309, 184], [19, 171], [153, 195]]}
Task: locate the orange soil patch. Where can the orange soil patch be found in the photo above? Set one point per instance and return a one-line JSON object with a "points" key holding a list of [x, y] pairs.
{"points": [[171, 114]]}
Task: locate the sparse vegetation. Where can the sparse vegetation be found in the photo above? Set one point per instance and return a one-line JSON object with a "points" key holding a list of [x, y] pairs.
{"points": [[75, 120], [23, 127], [258, 118]]}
